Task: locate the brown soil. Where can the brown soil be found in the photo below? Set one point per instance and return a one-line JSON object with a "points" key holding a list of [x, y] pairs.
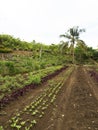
{"points": [[76, 106]]}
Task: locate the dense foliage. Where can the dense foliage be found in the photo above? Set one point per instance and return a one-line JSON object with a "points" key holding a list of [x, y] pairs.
{"points": [[18, 56], [25, 65]]}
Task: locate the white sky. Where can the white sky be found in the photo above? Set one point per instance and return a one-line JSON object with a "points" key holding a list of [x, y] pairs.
{"points": [[45, 20]]}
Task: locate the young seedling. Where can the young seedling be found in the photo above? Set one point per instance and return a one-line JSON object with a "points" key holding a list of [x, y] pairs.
{"points": [[1, 128], [35, 112], [18, 127], [43, 108], [23, 123], [27, 128], [14, 125], [40, 116], [33, 122]]}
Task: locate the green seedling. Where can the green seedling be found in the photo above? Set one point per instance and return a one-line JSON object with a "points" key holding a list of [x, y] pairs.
{"points": [[1, 128], [18, 114], [40, 116], [47, 105], [43, 103], [13, 118], [43, 108], [33, 107], [33, 122], [18, 127], [14, 125], [34, 113], [27, 128], [26, 108], [30, 126], [14, 122], [23, 123], [43, 113], [30, 110]]}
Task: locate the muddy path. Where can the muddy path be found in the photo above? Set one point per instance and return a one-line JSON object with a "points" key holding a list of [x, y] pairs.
{"points": [[75, 108]]}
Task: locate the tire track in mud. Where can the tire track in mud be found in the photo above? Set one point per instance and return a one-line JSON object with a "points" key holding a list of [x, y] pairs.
{"points": [[93, 85], [77, 105], [58, 114], [82, 108]]}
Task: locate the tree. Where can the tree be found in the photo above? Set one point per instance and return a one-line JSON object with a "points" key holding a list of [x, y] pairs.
{"points": [[81, 51], [63, 47], [73, 35]]}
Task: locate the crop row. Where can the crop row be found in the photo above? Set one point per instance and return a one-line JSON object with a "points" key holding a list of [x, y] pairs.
{"points": [[31, 114], [39, 78], [11, 83]]}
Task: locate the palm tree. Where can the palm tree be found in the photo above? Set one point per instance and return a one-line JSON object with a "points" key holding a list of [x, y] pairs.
{"points": [[63, 47], [73, 35]]}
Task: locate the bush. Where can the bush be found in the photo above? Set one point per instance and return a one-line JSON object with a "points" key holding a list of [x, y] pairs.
{"points": [[36, 79], [3, 68], [10, 66], [5, 50]]}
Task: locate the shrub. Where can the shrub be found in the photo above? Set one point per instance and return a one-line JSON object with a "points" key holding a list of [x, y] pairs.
{"points": [[10, 66], [5, 50]]}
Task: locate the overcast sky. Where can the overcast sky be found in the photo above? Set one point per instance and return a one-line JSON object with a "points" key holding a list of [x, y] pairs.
{"points": [[45, 20]]}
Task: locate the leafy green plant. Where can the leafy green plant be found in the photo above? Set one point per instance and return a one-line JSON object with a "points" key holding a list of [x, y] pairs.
{"points": [[33, 122], [36, 79], [27, 128], [23, 123], [1, 128]]}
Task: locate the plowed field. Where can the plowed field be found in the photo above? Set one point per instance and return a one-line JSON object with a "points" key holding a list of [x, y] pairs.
{"points": [[75, 106]]}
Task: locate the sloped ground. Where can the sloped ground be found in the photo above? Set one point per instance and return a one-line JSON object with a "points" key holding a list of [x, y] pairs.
{"points": [[18, 104], [76, 106]]}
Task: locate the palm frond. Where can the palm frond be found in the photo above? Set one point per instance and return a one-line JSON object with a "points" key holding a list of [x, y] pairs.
{"points": [[82, 30], [62, 35], [68, 36]]}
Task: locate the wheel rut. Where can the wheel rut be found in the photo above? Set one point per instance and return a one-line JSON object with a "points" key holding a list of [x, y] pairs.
{"points": [[77, 104]]}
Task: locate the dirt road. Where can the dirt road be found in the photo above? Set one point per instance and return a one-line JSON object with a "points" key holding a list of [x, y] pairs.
{"points": [[76, 106]]}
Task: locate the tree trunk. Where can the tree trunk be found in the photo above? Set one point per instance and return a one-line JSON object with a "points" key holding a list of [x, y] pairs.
{"points": [[73, 57], [40, 53]]}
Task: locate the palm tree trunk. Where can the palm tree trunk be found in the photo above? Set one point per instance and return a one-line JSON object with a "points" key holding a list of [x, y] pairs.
{"points": [[73, 57]]}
